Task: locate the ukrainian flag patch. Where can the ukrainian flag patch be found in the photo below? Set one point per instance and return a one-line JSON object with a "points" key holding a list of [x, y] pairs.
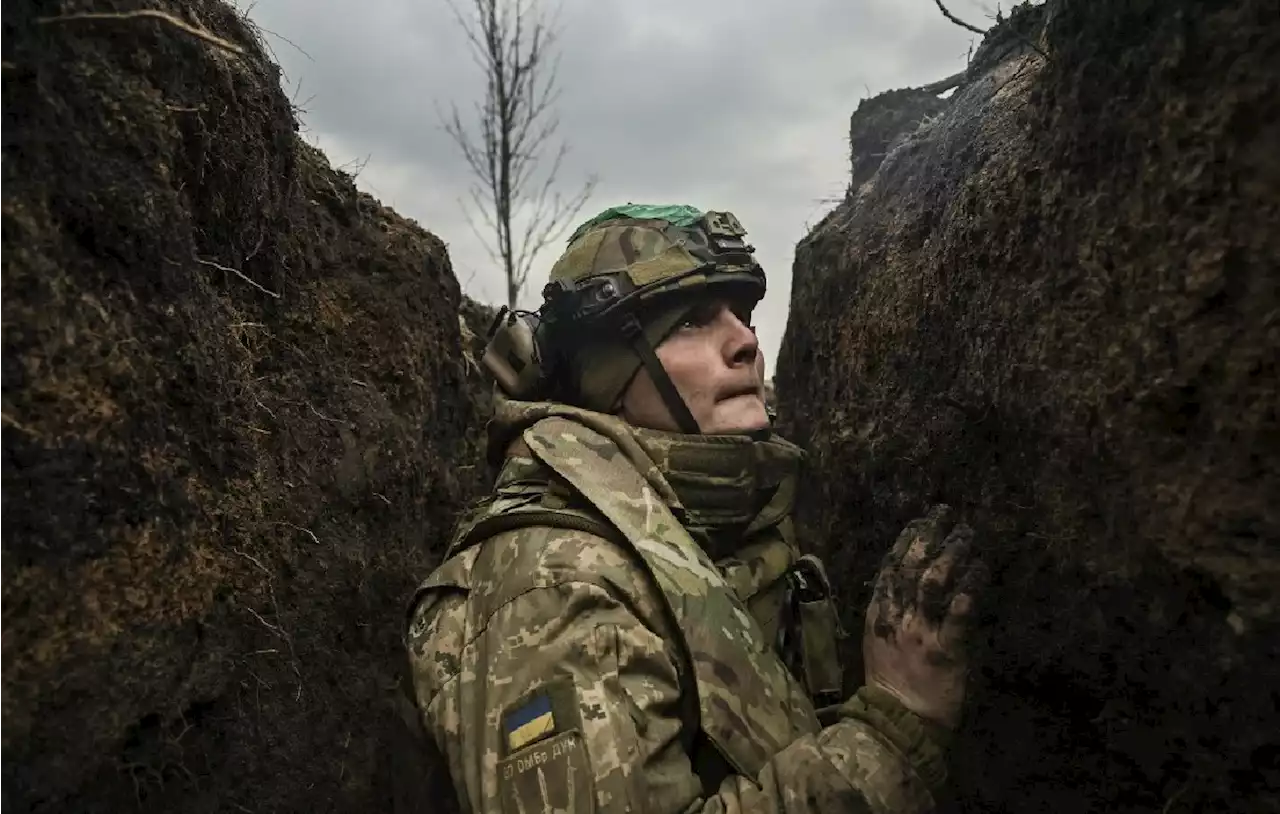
{"points": [[530, 722]]}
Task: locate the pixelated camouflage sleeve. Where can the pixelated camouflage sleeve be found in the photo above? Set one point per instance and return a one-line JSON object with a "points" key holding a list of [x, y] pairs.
{"points": [[563, 699]]}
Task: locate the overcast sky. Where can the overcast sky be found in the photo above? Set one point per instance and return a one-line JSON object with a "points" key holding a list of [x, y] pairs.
{"points": [[722, 104]]}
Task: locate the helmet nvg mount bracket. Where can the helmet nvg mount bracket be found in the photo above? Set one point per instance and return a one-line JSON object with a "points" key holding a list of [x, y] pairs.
{"points": [[527, 353]]}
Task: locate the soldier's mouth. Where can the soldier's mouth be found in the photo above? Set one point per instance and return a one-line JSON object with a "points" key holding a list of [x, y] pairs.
{"points": [[742, 391]]}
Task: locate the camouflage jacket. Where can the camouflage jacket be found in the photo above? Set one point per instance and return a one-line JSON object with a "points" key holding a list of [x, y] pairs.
{"points": [[579, 651]]}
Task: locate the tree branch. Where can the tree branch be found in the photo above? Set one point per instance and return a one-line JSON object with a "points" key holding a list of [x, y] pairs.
{"points": [[953, 18], [146, 13]]}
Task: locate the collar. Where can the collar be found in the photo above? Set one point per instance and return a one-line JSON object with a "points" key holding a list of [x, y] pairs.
{"points": [[738, 483]]}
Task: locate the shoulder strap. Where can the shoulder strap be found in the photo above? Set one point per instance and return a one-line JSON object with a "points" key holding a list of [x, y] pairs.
{"points": [[554, 518], [600, 491]]}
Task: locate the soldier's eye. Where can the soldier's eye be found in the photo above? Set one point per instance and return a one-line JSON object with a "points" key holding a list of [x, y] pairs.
{"points": [[700, 317]]}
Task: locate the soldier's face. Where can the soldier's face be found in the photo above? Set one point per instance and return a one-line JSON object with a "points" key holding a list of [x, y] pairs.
{"points": [[714, 360]]}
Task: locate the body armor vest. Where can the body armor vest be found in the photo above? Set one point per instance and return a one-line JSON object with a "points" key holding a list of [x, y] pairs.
{"points": [[740, 695]]}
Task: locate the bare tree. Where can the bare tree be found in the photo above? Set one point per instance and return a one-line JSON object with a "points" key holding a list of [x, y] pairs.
{"points": [[509, 151]]}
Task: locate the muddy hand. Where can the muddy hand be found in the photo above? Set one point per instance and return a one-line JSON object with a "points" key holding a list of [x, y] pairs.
{"points": [[920, 612]]}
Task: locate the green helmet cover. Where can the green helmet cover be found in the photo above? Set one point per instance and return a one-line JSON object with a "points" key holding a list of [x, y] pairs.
{"points": [[674, 214]]}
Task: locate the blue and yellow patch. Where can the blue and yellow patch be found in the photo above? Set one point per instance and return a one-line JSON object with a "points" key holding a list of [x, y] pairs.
{"points": [[529, 723]]}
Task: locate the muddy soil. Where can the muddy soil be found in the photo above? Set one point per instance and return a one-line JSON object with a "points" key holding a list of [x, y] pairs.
{"points": [[235, 431], [1053, 304]]}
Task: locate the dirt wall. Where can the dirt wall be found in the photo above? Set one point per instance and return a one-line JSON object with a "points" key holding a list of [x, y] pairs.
{"points": [[234, 423], [1053, 303]]}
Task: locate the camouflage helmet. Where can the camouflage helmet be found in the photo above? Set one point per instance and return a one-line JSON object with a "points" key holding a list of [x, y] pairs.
{"points": [[628, 278]]}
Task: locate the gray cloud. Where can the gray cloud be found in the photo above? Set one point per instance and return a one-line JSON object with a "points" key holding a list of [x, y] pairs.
{"points": [[720, 104]]}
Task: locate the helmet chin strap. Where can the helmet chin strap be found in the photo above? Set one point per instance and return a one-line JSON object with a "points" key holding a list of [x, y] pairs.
{"points": [[634, 334]]}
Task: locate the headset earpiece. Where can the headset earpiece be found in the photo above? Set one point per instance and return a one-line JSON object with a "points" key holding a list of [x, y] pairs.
{"points": [[515, 355]]}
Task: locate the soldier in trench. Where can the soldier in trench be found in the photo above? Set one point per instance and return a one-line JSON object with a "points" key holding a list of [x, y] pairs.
{"points": [[627, 622]]}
